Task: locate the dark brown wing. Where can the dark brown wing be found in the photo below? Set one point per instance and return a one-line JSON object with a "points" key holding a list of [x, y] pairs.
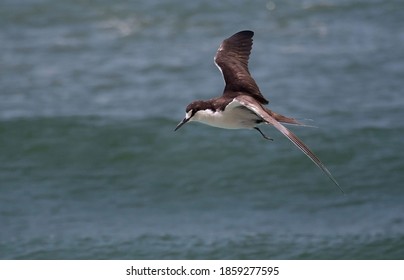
{"points": [[232, 60], [265, 114]]}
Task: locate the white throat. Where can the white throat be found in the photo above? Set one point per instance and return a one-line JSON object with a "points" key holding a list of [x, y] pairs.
{"points": [[233, 117]]}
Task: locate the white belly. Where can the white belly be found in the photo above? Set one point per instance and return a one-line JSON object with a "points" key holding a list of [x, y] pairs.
{"points": [[231, 118]]}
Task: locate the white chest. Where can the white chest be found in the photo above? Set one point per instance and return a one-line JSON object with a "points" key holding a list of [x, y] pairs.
{"points": [[231, 118]]}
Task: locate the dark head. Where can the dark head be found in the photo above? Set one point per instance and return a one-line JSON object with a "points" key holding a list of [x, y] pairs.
{"points": [[192, 109], [189, 113]]}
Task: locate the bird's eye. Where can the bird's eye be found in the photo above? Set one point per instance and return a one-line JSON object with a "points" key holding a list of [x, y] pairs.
{"points": [[190, 114]]}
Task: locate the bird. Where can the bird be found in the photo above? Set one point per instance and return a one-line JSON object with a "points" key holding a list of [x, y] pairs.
{"points": [[242, 105]]}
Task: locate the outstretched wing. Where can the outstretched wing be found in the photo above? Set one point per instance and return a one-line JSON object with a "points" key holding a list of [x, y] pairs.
{"points": [[232, 60], [266, 115]]}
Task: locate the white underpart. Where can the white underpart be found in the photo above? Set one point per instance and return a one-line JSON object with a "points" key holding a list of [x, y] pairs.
{"points": [[235, 116]]}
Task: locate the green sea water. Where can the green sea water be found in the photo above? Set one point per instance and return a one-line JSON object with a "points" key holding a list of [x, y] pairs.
{"points": [[90, 168]]}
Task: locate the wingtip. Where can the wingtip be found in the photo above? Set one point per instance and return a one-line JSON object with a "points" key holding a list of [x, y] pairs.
{"points": [[246, 32], [338, 185], [327, 172]]}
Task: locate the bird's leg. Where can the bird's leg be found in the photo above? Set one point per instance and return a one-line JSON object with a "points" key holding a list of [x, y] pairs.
{"points": [[263, 135]]}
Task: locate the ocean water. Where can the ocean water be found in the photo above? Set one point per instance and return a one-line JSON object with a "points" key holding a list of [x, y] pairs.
{"points": [[90, 168]]}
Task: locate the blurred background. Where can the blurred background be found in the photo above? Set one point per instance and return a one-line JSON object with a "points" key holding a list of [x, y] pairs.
{"points": [[90, 168]]}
